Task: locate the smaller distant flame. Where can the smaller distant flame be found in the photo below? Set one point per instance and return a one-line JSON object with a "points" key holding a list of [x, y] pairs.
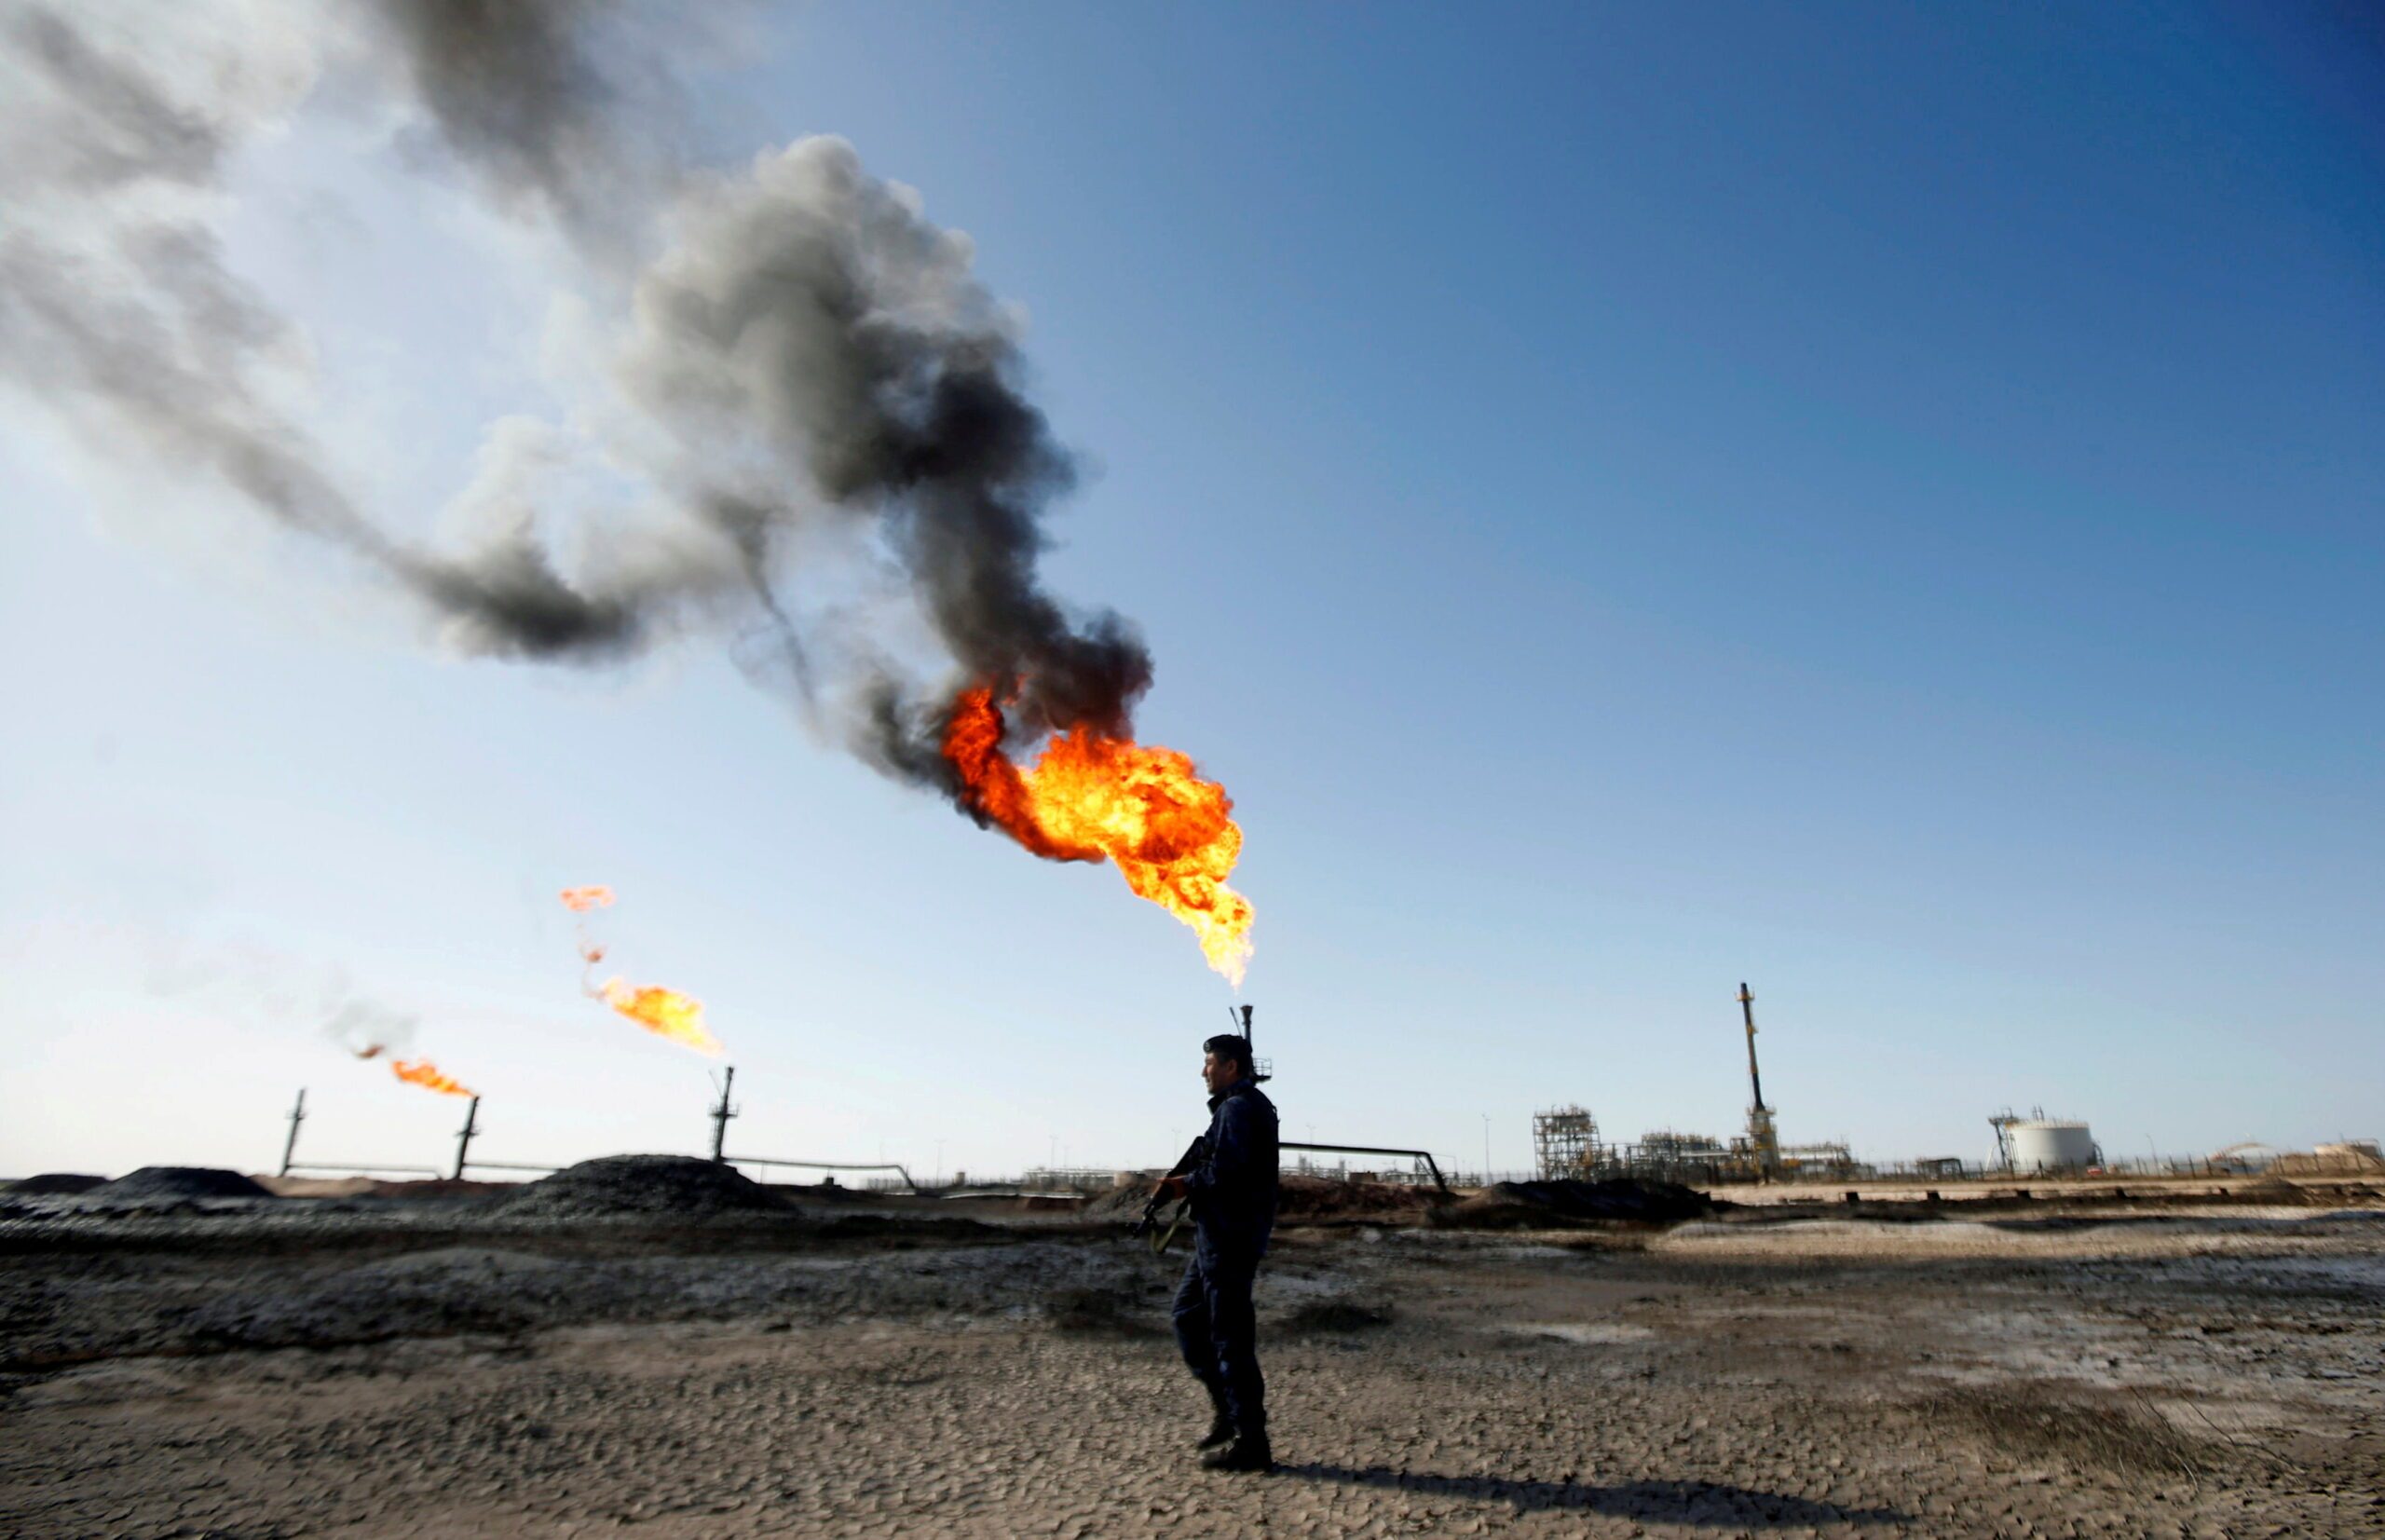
{"points": [[665, 1011], [579, 900], [422, 1072]]}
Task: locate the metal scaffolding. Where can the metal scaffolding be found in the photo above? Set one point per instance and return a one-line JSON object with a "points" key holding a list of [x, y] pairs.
{"points": [[1827, 1159], [1565, 1142]]}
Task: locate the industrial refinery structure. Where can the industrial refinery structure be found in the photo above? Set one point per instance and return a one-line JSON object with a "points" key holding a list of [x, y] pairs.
{"points": [[1566, 1142], [2037, 1143]]}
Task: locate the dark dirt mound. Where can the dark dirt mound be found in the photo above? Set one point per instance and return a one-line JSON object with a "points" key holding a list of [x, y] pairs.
{"points": [[434, 1293], [1099, 1312], [663, 1186], [820, 1191], [1300, 1198], [155, 1182], [1127, 1201], [56, 1184], [2284, 1194], [1553, 1204], [374, 1187], [1320, 1198], [900, 1230], [1333, 1317]]}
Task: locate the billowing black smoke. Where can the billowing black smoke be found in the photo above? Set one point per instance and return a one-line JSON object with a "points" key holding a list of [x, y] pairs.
{"points": [[815, 383], [819, 350], [564, 109]]}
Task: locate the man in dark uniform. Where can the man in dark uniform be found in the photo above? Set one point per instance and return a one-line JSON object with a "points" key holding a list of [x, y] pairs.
{"points": [[1232, 1192]]}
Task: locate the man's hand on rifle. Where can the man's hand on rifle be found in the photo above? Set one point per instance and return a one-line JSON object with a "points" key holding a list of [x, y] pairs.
{"points": [[1170, 1187]]}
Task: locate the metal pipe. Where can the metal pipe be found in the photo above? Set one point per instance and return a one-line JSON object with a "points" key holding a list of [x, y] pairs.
{"points": [[353, 1165], [828, 1165], [289, 1145], [464, 1140], [1424, 1155]]}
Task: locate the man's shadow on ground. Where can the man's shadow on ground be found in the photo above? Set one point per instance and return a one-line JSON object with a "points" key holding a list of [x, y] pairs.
{"points": [[1716, 1503]]}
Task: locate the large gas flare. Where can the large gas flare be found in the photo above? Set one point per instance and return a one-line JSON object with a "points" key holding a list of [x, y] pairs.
{"points": [[665, 1011], [1092, 797], [422, 1072]]}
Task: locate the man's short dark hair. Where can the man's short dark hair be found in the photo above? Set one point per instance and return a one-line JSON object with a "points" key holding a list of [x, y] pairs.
{"points": [[1232, 1045]]}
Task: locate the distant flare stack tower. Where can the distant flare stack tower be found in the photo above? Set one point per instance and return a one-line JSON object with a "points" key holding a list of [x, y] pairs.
{"points": [[1762, 1136]]}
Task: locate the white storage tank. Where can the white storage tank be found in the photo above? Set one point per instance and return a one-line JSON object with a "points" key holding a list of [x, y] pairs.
{"points": [[2052, 1144]]}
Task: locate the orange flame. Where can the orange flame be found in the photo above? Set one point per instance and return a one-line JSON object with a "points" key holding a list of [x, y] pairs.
{"points": [[581, 900], [1090, 797], [667, 1011], [422, 1072]]}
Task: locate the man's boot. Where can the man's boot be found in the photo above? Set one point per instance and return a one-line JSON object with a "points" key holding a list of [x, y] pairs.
{"points": [[1220, 1425], [1247, 1452]]}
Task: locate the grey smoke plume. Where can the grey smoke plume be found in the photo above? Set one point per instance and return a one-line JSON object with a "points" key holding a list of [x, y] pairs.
{"points": [[369, 1028], [815, 347], [247, 983], [810, 330], [117, 308], [810, 374], [512, 91], [562, 108]]}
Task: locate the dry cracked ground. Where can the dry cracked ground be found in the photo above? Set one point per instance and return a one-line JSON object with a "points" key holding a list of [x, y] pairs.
{"points": [[2191, 1375]]}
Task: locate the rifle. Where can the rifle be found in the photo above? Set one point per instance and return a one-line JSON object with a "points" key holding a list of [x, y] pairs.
{"points": [[1149, 1223]]}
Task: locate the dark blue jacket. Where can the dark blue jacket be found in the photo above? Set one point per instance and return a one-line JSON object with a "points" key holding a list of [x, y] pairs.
{"points": [[1232, 1186]]}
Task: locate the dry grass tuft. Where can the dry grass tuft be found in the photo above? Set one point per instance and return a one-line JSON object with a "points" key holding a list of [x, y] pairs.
{"points": [[2126, 1441]]}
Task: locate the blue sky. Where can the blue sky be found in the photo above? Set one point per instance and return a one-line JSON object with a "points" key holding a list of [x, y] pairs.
{"points": [[1881, 503]]}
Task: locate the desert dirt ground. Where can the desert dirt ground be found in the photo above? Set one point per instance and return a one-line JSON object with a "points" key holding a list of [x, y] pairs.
{"points": [[2189, 1374]]}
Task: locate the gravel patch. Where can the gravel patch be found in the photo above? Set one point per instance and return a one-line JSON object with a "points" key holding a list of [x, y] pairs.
{"points": [[370, 1375], [51, 1184], [1553, 1204]]}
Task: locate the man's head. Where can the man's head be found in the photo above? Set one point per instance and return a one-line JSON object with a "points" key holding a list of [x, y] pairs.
{"points": [[1224, 1060]]}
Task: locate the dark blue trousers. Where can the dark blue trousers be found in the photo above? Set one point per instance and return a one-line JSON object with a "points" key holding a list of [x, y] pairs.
{"points": [[1216, 1329]]}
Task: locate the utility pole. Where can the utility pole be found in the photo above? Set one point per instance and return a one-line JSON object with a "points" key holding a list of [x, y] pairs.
{"points": [[297, 1116], [721, 1114], [464, 1140]]}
